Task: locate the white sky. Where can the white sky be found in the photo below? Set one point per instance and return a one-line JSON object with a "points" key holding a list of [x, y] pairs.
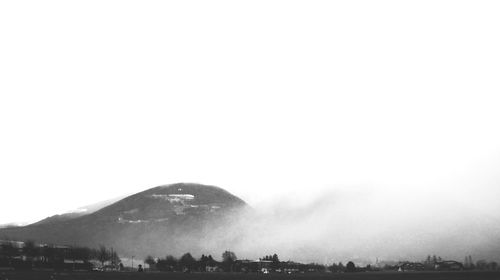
{"points": [[263, 98]]}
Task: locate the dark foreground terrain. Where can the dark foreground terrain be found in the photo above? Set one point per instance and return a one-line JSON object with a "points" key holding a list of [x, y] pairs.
{"points": [[473, 275]]}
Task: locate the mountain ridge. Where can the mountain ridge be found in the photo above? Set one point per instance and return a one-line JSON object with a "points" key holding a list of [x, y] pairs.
{"points": [[181, 214]]}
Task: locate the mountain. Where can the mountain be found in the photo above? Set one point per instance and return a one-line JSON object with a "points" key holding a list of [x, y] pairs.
{"points": [[82, 211], [170, 219]]}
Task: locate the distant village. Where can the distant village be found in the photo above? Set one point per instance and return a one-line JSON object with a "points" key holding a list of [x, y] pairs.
{"points": [[28, 255]]}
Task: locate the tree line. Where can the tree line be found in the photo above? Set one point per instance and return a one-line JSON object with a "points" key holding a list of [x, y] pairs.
{"points": [[28, 255], [229, 263], [272, 263]]}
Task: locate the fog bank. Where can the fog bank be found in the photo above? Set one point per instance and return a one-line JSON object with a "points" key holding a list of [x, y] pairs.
{"points": [[363, 224]]}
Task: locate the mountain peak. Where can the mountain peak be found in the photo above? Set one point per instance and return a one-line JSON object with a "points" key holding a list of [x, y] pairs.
{"points": [[178, 212]]}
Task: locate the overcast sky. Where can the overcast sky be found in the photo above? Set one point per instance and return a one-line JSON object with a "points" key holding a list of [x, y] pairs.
{"points": [[267, 99]]}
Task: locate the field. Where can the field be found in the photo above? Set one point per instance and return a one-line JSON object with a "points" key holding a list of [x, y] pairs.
{"points": [[475, 275]]}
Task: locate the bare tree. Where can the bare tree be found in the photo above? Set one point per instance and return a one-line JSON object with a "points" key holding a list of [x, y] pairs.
{"points": [[103, 255]]}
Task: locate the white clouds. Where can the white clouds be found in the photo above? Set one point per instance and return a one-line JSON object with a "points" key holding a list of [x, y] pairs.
{"points": [[101, 98]]}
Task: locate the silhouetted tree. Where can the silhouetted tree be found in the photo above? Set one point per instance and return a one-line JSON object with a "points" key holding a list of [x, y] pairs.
{"points": [[275, 261], [187, 262], [171, 263], [341, 266], [103, 255], [471, 263], [350, 267], [114, 258], [228, 260], [428, 263], [337, 267], [150, 261]]}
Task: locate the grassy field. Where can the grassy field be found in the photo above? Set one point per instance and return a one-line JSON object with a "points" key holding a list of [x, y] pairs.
{"points": [[475, 275]]}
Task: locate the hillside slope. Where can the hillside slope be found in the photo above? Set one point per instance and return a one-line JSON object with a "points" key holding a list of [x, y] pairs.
{"points": [[170, 219]]}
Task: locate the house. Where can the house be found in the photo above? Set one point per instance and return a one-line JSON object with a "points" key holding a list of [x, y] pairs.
{"points": [[449, 265], [212, 268], [15, 244], [253, 266], [410, 266]]}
